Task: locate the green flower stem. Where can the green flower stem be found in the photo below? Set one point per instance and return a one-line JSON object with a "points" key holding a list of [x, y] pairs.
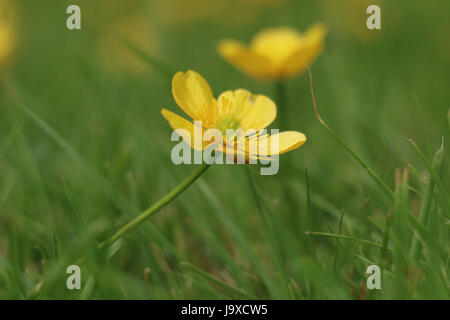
{"points": [[134, 223], [168, 198], [280, 94], [287, 160]]}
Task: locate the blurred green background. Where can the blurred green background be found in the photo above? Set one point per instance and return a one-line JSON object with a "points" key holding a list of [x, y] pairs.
{"points": [[83, 148]]}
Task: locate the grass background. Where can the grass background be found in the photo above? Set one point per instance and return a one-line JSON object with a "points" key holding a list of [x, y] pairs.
{"points": [[83, 148]]}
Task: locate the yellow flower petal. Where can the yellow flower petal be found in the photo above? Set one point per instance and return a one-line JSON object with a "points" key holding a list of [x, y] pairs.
{"points": [[277, 44], [307, 53], [260, 145], [287, 141], [232, 102], [259, 112], [250, 111], [6, 43], [185, 129], [7, 32], [194, 96], [316, 33], [243, 58]]}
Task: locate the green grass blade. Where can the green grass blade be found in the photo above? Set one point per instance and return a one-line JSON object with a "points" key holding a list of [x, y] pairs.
{"points": [[340, 236], [433, 173], [269, 230], [426, 203], [187, 267]]}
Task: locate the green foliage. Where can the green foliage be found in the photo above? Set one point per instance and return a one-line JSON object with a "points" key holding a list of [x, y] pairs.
{"points": [[84, 149]]}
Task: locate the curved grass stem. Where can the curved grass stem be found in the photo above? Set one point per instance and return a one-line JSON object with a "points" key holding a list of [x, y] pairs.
{"points": [[372, 173], [417, 224]]}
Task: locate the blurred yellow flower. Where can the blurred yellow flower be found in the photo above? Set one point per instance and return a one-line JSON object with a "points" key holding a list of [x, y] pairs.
{"points": [[233, 110], [7, 33], [275, 53], [115, 56]]}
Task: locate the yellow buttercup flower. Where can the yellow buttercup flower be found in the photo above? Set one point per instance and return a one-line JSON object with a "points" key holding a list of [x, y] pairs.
{"points": [[275, 53], [233, 110]]}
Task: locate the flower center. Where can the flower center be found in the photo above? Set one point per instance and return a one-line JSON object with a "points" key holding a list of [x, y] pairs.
{"points": [[227, 122]]}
